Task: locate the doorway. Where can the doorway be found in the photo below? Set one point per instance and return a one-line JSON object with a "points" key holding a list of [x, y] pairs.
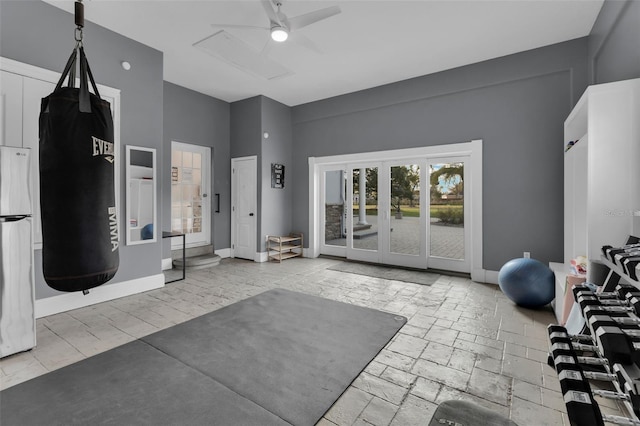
{"points": [[417, 208], [190, 200], [244, 207]]}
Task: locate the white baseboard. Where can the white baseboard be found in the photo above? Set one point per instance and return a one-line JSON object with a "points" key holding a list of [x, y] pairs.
{"points": [[261, 257], [68, 301], [223, 253], [167, 264], [491, 277]]}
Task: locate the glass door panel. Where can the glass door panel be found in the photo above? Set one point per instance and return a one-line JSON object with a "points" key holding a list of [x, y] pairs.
{"points": [[365, 208], [334, 214], [188, 192], [404, 225], [447, 215]]}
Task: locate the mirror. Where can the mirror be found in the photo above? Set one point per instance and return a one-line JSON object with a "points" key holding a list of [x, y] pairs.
{"points": [[141, 195]]}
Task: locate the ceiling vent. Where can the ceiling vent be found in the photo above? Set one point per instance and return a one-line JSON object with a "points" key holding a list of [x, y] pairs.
{"points": [[231, 49]]}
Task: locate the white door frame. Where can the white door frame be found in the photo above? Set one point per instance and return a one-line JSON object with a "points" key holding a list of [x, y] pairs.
{"points": [[473, 149], [234, 210], [207, 172]]}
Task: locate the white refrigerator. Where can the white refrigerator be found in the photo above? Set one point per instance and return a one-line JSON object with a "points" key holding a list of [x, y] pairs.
{"points": [[17, 294]]}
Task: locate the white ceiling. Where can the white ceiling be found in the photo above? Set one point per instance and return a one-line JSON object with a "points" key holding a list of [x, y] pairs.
{"points": [[369, 44]]}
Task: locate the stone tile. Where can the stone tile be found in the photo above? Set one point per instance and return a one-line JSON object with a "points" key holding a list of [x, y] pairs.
{"points": [[444, 323], [537, 355], [383, 389], [488, 364], [490, 386], [462, 360], [527, 413], [347, 409], [517, 350], [522, 368], [395, 360], [438, 353], [441, 374], [492, 343], [527, 391], [553, 399], [519, 339], [413, 331], [441, 335], [379, 412], [375, 368], [478, 349], [414, 412], [467, 336], [426, 389], [407, 345], [399, 377]]}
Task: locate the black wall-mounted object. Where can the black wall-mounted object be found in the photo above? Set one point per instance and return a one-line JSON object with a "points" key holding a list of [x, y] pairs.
{"points": [[217, 203], [277, 175]]}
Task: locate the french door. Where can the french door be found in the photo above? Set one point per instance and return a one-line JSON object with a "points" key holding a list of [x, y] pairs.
{"points": [[405, 212], [190, 200]]}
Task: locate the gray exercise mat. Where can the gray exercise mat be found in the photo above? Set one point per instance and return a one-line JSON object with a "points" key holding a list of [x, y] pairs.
{"points": [[277, 358], [291, 353], [386, 272], [134, 384]]}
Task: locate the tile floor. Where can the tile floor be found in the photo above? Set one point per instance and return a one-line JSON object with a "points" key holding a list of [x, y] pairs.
{"points": [[463, 340]]}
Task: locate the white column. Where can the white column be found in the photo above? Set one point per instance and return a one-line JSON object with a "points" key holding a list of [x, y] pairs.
{"points": [[362, 216]]}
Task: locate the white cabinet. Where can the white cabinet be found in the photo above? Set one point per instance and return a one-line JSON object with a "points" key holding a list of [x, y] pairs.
{"points": [[10, 109], [602, 170]]}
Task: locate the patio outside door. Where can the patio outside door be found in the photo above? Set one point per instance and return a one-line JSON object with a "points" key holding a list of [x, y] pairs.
{"points": [[386, 218]]}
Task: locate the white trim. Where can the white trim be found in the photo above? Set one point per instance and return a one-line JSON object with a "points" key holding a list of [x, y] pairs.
{"points": [[68, 301], [261, 257], [167, 264], [223, 253], [472, 149], [491, 277]]}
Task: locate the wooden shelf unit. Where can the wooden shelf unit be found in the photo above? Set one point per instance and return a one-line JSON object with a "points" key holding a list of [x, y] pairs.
{"points": [[280, 248]]}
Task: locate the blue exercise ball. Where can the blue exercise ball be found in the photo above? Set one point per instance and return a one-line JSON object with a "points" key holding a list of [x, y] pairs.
{"points": [[527, 282], [147, 232]]}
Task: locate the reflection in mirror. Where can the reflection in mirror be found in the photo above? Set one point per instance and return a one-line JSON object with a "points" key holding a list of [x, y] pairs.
{"points": [[141, 195]]}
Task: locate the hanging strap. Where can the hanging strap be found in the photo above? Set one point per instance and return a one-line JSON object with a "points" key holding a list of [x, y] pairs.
{"points": [[86, 76]]}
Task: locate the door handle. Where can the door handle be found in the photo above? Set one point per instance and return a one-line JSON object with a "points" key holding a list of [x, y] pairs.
{"points": [[250, 214]]}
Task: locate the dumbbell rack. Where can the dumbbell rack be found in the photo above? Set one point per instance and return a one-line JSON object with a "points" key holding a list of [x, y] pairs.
{"points": [[612, 352]]}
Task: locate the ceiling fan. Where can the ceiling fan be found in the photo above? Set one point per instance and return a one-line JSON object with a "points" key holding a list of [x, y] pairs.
{"points": [[281, 26]]}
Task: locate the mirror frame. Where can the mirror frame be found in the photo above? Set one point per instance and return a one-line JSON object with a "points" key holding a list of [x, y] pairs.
{"points": [[128, 178]]}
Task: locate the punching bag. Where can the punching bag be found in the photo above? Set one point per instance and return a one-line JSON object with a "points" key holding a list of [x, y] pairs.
{"points": [[77, 197]]}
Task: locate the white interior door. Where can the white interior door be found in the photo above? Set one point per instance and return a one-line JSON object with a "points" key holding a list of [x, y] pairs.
{"points": [[333, 213], [190, 199], [365, 214], [244, 207]]}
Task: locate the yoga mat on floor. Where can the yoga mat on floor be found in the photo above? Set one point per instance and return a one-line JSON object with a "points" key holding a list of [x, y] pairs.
{"points": [[276, 358], [133, 384], [291, 353], [386, 272]]}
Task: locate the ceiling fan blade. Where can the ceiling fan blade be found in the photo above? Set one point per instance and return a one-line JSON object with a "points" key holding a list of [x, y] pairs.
{"points": [[273, 16], [302, 21], [243, 27], [306, 42]]}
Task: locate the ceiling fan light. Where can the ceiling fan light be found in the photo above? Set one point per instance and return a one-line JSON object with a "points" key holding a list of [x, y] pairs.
{"points": [[279, 33]]}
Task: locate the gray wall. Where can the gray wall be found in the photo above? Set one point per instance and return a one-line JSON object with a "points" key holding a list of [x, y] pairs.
{"points": [[517, 104], [250, 118], [614, 43], [246, 134], [197, 119], [276, 216], [42, 35]]}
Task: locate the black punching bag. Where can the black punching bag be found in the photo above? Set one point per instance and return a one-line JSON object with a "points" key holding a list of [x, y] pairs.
{"points": [[77, 199]]}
